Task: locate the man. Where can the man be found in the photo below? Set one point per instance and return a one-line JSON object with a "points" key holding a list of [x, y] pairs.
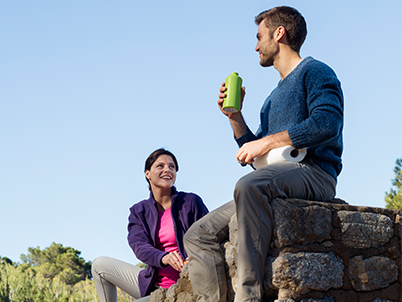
{"points": [[305, 110]]}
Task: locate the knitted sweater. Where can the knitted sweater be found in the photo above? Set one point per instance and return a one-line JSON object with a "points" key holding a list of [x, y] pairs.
{"points": [[309, 104]]}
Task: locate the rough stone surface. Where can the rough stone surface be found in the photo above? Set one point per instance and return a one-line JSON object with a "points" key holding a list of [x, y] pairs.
{"points": [[179, 292], [320, 252], [372, 273], [171, 294], [302, 272], [158, 295], [365, 230], [295, 224], [326, 299]]}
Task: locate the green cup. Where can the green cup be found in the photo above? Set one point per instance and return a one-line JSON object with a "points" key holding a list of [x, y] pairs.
{"points": [[231, 103]]}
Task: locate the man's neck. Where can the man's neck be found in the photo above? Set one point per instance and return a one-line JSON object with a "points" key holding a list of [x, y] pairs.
{"points": [[286, 61]]}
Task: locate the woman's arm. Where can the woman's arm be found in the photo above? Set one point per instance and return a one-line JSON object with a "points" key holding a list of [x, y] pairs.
{"points": [[141, 242]]}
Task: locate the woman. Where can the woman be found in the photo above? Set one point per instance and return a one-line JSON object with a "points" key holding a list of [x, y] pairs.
{"points": [[155, 233]]}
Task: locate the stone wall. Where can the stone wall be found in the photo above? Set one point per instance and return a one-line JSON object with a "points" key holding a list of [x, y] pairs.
{"points": [[331, 252]]}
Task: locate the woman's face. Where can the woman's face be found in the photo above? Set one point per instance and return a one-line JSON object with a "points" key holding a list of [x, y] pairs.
{"points": [[162, 173]]}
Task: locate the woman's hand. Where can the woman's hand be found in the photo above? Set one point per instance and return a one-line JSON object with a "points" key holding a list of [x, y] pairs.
{"points": [[174, 260]]}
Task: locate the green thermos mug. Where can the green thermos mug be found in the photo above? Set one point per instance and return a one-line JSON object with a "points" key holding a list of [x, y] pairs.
{"points": [[231, 103]]}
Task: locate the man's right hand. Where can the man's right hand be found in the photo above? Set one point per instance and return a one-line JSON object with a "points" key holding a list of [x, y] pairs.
{"points": [[236, 118], [222, 95]]}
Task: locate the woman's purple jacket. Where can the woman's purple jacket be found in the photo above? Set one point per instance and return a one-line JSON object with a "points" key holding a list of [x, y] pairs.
{"points": [[186, 208]]}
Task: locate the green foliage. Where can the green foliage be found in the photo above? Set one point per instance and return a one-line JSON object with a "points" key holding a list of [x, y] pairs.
{"points": [[5, 260], [56, 260], [142, 265], [18, 284], [393, 199], [55, 274]]}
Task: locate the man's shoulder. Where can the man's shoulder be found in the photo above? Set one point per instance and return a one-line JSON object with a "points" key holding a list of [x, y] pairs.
{"points": [[309, 64]]}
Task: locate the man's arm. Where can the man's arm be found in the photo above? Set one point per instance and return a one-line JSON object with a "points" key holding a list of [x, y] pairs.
{"points": [[250, 150]]}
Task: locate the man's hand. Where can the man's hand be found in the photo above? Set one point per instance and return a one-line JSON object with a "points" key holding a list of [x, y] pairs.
{"points": [[174, 260], [222, 95], [249, 151], [236, 118]]}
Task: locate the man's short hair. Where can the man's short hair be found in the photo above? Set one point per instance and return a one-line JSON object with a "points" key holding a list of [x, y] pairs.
{"points": [[290, 19]]}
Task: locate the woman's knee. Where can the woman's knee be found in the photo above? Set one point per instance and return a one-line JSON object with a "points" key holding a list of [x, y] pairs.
{"points": [[98, 264]]}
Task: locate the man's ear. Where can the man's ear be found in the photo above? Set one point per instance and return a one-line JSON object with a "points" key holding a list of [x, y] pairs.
{"points": [[280, 33]]}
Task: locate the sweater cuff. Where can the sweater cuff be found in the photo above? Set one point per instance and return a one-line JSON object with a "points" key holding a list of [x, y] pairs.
{"points": [[297, 136], [248, 136]]}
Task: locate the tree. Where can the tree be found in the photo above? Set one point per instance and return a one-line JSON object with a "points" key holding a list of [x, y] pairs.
{"points": [[56, 260], [47, 276], [142, 265], [5, 260], [393, 199]]}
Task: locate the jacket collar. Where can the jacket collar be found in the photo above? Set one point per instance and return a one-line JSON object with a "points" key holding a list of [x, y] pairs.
{"points": [[172, 197]]}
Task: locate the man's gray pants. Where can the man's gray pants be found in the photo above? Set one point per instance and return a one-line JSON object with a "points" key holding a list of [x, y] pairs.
{"points": [[252, 196]]}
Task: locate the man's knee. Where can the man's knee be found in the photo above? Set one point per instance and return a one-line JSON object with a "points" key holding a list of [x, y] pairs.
{"points": [[250, 192], [190, 237], [246, 186], [202, 233], [243, 184], [187, 236]]}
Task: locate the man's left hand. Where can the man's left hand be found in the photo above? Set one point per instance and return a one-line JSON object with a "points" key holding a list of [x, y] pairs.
{"points": [[249, 151]]}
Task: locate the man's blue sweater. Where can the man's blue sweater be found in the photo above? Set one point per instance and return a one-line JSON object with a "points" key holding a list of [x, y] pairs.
{"points": [[309, 104]]}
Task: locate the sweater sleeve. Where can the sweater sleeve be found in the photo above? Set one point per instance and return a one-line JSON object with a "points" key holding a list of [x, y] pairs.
{"points": [[248, 136], [325, 108], [141, 243]]}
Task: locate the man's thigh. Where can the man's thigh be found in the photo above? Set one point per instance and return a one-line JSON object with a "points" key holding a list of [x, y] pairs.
{"points": [[290, 180]]}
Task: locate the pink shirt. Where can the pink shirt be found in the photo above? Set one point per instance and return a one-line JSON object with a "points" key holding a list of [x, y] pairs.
{"points": [[166, 241]]}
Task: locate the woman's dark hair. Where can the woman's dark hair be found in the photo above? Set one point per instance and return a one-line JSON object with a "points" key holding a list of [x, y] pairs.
{"points": [[154, 156], [290, 19]]}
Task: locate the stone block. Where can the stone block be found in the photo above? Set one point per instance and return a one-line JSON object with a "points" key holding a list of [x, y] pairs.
{"points": [[364, 230], [296, 224], [372, 273], [303, 272]]}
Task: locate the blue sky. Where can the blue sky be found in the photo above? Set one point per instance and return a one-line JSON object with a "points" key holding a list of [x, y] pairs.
{"points": [[90, 88]]}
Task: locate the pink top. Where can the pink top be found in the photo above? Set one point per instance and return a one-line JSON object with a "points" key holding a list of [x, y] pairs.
{"points": [[166, 241]]}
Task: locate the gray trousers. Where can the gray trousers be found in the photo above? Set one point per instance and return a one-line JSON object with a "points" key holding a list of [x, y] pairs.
{"points": [[252, 196], [109, 273]]}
